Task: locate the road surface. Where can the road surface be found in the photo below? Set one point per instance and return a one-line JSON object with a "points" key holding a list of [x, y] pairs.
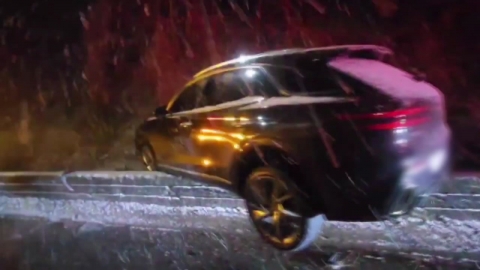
{"points": [[37, 244], [68, 219]]}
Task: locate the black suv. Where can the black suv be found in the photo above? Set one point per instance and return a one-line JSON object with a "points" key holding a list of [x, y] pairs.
{"points": [[306, 135]]}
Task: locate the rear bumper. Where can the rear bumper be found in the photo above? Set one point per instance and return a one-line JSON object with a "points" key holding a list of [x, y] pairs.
{"points": [[405, 198], [378, 181], [374, 191], [409, 186]]}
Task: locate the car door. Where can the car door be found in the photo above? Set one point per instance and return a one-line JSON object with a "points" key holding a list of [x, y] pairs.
{"points": [[178, 124], [220, 129], [340, 138], [156, 129]]}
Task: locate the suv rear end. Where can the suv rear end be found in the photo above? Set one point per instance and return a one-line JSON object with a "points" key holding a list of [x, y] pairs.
{"points": [[405, 142], [390, 146]]}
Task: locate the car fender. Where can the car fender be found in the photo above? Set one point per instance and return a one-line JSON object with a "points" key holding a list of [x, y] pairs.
{"points": [[249, 145]]}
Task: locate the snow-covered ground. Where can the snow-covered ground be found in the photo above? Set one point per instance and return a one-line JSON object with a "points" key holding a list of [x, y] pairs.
{"points": [[449, 225], [35, 243]]}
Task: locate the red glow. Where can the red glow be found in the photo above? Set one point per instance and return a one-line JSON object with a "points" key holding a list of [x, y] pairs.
{"points": [[392, 114], [398, 124], [401, 118]]}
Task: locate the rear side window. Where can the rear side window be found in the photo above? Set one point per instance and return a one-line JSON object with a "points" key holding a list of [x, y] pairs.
{"points": [[308, 77]]}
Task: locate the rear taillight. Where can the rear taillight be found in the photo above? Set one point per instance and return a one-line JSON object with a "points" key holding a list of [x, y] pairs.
{"points": [[391, 120]]}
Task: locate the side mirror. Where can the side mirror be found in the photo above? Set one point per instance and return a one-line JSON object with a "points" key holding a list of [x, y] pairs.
{"points": [[160, 111]]}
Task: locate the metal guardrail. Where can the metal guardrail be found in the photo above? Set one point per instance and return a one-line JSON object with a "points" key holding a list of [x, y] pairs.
{"points": [[460, 174]]}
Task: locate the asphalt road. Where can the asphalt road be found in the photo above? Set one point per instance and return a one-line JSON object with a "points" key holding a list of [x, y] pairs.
{"points": [[39, 244], [156, 221]]}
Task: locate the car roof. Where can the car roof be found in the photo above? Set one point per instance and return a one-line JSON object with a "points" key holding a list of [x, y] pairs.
{"points": [[276, 54]]}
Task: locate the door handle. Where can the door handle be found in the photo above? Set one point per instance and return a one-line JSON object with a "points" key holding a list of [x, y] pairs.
{"points": [[185, 124]]}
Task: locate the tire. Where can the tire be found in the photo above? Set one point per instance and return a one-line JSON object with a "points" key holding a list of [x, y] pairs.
{"points": [[147, 155], [286, 204]]}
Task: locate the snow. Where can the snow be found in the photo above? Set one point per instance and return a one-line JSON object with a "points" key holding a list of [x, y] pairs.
{"points": [[408, 235], [122, 174], [110, 212], [380, 50], [185, 209], [391, 80], [86, 174]]}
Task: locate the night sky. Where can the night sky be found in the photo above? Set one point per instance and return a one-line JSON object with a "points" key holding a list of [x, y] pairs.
{"points": [[41, 27], [45, 27], [50, 35]]}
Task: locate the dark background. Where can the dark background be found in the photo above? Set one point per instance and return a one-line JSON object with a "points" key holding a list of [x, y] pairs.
{"points": [[76, 76]]}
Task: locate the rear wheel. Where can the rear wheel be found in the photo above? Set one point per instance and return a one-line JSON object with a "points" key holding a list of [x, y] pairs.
{"points": [[279, 212], [148, 157]]}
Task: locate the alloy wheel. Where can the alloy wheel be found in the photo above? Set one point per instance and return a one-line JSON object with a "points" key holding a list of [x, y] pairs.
{"points": [[274, 211], [148, 158]]}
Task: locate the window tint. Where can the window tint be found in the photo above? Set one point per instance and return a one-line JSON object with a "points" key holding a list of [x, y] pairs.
{"points": [[313, 77], [317, 77], [288, 78], [227, 87], [258, 83], [188, 99], [235, 85]]}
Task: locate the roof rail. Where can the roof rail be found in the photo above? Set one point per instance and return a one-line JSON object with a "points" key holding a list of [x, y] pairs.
{"points": [[243, 59], [379, 49]]}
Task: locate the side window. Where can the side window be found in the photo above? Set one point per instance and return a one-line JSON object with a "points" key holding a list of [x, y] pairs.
{"points": [[312, 77], [321, 82], [228, 87], [231, 86], [289, 79], [317, 77], [258, 83], [188, 99]]}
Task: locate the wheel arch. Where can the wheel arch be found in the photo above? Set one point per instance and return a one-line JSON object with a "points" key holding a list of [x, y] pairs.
{"points": [[258, 152], [141, 139]]}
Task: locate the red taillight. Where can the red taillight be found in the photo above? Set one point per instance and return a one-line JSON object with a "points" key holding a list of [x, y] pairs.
{"points": [[398, 124], [390, 120]]}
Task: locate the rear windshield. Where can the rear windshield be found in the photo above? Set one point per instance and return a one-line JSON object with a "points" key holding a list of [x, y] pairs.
{"points": [[309, 74], [388, 79]]}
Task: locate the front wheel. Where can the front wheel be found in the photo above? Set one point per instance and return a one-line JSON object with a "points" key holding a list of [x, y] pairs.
{"points": [[148, 157], [279, 212]]}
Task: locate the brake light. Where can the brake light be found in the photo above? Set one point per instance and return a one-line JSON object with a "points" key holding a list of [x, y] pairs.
{"points": [[398, 124], [391, 120]]}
